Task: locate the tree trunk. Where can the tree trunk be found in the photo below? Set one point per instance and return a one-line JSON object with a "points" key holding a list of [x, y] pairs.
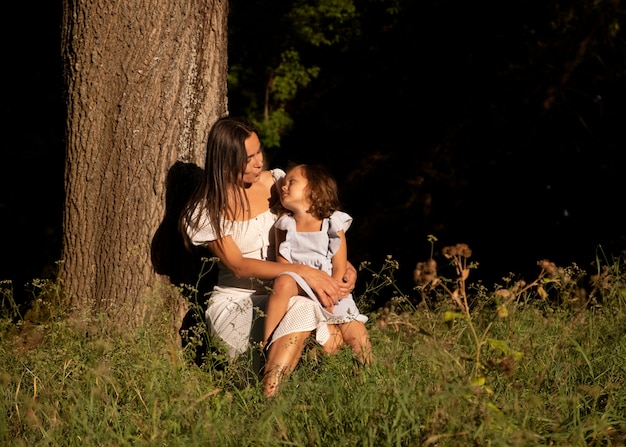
{"points": [[144, 79]]}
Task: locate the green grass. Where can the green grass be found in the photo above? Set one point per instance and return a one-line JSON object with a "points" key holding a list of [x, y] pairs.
{"points": [[523, 364]]}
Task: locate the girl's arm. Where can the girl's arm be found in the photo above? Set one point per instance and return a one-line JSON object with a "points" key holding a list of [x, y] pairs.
{"points": [[340, 258], [348, 281], [326, 288]]}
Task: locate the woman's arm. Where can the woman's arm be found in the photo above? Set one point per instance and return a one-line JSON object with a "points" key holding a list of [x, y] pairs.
{"points": [[325, 287]]}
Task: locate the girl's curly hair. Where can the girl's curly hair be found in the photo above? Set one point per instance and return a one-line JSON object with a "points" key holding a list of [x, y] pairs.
{"points": [[321, 189]]}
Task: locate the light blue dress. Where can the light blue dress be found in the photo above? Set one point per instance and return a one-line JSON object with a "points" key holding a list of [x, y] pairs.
{"points": [[316, 249]]}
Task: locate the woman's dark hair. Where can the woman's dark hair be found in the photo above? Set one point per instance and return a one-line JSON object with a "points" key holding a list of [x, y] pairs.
{"points": [[219, 194]]}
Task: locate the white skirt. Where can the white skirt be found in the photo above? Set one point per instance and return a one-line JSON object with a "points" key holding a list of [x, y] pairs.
{"points": [[237, 317]]}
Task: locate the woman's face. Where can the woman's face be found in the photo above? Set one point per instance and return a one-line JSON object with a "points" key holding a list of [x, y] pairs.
{"points": [[254, 167]]}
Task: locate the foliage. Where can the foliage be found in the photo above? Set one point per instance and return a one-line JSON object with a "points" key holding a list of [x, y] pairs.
{"points": [[263, 82], [435, 105], [531, 364]]}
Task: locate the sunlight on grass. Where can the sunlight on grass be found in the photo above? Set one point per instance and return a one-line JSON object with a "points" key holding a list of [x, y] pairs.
{"points": [[455, 363]]}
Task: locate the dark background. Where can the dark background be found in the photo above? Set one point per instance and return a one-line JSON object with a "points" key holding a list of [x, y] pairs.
{"points": [[499, 128], [496, 124], [31, 160]]}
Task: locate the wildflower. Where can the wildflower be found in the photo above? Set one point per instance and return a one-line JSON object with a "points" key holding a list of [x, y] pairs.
{"points": [[457, 250], [383, 320], [449, 252], [549, 267], [425, 272], [464, 250], [504, 293]]}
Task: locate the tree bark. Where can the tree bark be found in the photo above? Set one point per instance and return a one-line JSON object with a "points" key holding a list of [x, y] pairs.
{"points": [[144, 79]]}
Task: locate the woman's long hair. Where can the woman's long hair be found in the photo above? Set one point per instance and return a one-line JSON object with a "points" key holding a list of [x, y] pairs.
{"points": [[219, 195]]}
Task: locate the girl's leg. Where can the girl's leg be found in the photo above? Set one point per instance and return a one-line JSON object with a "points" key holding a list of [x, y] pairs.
{"points": [[284, 288], [356, 336], [282, 359]]}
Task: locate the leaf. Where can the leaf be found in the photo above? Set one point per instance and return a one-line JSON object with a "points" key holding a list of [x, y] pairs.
{"points": [[502, 311], [542, 293], [449, 316], [503, 347], [478, 381], [494, 408], [499, 344]]}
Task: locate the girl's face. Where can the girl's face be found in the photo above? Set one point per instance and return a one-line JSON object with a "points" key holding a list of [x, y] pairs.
{"points": [[252, 174], [294, 194]]}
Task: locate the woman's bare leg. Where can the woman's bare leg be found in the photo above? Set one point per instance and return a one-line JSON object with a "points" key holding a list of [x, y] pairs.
{"points": [[285, 353], [282, 359], [335, 342], [356, 336]]}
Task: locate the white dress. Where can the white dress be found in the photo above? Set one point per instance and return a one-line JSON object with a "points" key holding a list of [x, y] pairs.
{"points": [[316, 249], [231, 307]]}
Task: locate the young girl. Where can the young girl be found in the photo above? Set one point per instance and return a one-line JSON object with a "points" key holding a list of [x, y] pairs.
{"points": [[312, 232]]}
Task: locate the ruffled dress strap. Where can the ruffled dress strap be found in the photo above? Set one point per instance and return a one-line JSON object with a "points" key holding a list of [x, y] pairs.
{"points": [[336, 222]]}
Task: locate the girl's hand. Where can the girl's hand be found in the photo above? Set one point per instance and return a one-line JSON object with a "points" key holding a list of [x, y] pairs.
{"points": [[349, 281]]}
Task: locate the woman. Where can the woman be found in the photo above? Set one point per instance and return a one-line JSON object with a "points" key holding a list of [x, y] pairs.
{"points": [[231, 213]]}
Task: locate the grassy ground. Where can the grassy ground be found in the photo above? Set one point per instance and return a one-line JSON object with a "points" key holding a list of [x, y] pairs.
{"points": [[456, 364]]}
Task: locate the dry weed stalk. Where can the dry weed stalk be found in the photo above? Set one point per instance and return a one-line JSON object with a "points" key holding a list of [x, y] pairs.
{"points": [[426, 279]]}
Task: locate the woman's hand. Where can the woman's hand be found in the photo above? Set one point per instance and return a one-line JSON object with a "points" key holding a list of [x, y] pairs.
{"points": [[327, 289]]}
